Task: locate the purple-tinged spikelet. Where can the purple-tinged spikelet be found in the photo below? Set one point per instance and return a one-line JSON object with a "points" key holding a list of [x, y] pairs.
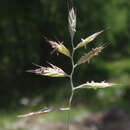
{"points": [[52, 71]]}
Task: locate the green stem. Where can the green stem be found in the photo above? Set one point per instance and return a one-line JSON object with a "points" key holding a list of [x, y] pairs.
{"points": [[72, 71], [71, 81]]}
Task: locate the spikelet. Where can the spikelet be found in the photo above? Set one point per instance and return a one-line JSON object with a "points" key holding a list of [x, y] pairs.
{"points": [[88, 56], [95, 85], [43, 111], [72, 22], [59, 48], [52, 71], [89, 39]]}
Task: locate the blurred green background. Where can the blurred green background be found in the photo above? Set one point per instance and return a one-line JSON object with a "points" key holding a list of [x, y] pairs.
{"points": [[23, 25]]}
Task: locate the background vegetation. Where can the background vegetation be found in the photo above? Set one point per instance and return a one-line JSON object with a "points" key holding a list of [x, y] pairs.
{"points": [[22, 27]]}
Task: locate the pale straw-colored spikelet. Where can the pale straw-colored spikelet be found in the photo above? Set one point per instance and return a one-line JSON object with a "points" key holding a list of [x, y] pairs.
{"points": [[87, 40], [59, 47], [72, 22], [95, 85]]}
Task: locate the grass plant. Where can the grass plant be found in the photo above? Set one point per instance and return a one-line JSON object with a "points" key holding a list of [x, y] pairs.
{"points": [[54, 71]]}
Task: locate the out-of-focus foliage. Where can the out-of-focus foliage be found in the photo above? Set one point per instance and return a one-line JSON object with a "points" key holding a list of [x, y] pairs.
{"points": [[22, 26]]}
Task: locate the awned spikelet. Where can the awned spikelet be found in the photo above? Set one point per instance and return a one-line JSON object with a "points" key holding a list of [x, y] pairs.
{"points": [[59, 47], [43, 111], [52, 71], [88, 56], [89, 39], [95, 85]]}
